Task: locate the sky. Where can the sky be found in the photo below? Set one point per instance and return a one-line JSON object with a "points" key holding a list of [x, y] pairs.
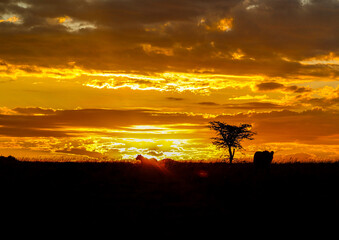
{"points": [[111, 79]]}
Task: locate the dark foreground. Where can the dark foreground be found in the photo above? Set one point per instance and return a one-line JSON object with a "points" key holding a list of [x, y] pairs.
{"points": [[182, 193]]}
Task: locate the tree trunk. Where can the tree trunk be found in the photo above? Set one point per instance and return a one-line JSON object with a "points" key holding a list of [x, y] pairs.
{"points": [[231, 154]]}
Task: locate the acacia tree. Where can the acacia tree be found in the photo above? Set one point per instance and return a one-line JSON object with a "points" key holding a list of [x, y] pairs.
{"points": [[229, 137]]}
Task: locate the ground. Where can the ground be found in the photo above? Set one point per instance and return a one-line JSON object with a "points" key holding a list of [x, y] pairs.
{"points": [[182, 193]]}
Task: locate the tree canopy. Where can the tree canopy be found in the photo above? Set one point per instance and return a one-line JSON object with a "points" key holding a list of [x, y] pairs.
{"points": [[229, 137]]}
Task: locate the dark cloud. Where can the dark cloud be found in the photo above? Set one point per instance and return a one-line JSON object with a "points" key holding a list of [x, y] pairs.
{"points": [[269, 86], [175, 98], [254, 106], [208, 103], [273, 86], [272, 35], [35, 110], [324, 102], [297, 89]]}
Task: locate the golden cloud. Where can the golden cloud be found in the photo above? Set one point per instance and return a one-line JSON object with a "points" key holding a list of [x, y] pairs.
{"points": [[328, 59], [223, 24], [13, 19], [178, 82], [58, 20], [148, 48], [70, 24], [22, 70]]}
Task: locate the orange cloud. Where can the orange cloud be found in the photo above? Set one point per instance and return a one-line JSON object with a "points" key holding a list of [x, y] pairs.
{"points": [[222, 24], [329, 59], [225, 24], [58, 20], [13, 19], [171, 81], [148, 48], [21, 70]]}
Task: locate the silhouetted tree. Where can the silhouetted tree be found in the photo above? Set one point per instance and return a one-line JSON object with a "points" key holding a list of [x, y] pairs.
{"points": [[229, 136]]}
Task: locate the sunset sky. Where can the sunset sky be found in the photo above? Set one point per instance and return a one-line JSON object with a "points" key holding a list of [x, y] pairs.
{"points": [[111, 79]]}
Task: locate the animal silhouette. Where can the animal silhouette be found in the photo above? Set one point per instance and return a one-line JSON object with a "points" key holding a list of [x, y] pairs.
{"points": [[162, 166], [167, 162], [8, 160], [262, 160], [146, 161]]}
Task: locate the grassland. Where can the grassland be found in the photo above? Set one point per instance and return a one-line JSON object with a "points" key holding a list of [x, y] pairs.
{"points": [[181, 193]]}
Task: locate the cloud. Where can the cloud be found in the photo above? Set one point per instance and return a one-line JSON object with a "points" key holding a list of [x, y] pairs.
{"points": [[297, 89], [175, 98], [35, 110], [282, 125], [246, 105], [273, 86], [249, 97], [22, 131], [124, 133], [155, 154], [237, 37], [254, 106], [37, 122], [323, 102], [13, 19], [13, 71], [307, 127], [81, 151], [202, 83], [208, 103], [269, 86]]}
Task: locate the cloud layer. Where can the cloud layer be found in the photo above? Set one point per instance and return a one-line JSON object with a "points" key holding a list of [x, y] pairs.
{"points": [[239, 37], [99, 132]]}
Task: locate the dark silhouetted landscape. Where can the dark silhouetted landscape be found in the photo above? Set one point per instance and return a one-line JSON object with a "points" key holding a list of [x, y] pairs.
{"points": [[178, 192]]}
